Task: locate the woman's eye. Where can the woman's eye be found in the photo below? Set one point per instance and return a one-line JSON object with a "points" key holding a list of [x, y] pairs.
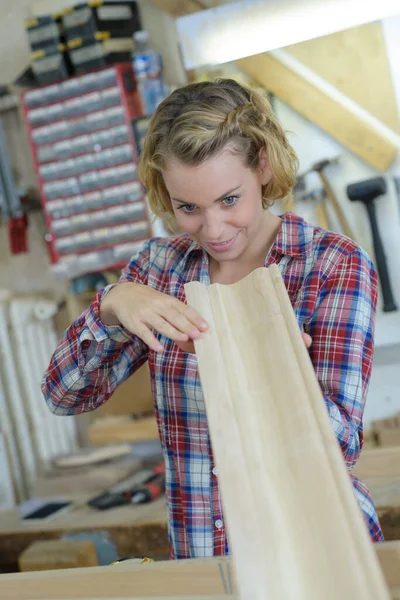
{"points": [[188, 208], [230, 200]]}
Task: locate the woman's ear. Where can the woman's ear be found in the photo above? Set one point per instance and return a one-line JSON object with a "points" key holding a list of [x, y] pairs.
{"points": [[264, 167]]}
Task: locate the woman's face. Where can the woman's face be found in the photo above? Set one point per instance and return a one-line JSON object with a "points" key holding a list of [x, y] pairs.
{"points": [[218, 203]]}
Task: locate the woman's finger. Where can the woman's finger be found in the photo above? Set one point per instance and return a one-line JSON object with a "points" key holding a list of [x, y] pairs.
{"points": [[190, 314], [144, 333], [160, 324], [179, 321]]}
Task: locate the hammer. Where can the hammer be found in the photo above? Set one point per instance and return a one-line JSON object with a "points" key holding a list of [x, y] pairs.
{"points": [[366, 192], [319, 168], [318, 195]]}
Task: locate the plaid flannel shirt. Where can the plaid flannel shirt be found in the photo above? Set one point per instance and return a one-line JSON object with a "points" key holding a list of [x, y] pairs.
{"points": [[332, 285]]}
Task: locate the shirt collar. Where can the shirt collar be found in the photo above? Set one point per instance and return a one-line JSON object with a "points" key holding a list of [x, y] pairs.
{"points": [[295, 238]]}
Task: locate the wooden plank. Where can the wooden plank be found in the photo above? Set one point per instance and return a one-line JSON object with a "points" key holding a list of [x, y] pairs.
{"points": [[179, 8], [58, 554], [379, 462], [390, 522], [132, 397], [114, 429], [204, 577], [388, 438], [317, 106], [355, 61], [161, 598], [389, 557], [379, 469], [301, 501], [385, 493], [88, 480]]}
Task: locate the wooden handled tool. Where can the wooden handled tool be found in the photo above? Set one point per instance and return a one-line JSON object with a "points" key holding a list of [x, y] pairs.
{"points": [[318, 196], [320, 168]]}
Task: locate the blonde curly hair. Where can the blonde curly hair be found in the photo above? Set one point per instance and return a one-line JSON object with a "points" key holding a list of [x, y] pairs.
{"points": [[197, 121]]}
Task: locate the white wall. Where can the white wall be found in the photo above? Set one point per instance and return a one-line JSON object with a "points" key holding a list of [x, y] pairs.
{"points": [[25, 273], [14, 47], [312, 145], [31, 272]]}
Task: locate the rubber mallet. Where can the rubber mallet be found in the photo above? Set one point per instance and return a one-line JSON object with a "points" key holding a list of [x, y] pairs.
{"points": [[367, 191]]}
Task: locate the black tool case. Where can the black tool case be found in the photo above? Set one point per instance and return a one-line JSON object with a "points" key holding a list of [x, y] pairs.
{"points": [[87, 20], [87, 54]]}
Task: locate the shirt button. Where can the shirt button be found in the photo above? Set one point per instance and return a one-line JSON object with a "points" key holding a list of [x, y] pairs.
{"points": [[215, 471], [219, 524]]}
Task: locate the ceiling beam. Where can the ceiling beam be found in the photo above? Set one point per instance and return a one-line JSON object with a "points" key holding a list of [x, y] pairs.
{"points": [[179, 8], [339, 121]]}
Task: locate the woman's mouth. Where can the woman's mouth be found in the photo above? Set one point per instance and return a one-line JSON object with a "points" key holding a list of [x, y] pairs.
{"points": [[223, 246]]}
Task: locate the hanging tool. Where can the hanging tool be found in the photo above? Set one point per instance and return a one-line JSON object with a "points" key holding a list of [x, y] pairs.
{"points": [[366, 192], [10, 203], [319, 197], [397, 186], [320, 169]]}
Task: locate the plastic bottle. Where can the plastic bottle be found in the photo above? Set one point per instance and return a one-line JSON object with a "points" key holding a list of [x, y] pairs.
{"points": [[147, 68]]}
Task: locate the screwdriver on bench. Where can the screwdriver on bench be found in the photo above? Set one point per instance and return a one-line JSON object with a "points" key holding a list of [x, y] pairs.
{"points": [[152, 489], [122, 492]]}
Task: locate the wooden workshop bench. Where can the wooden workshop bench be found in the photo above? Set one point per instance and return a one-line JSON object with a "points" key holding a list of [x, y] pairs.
{"points": [[136, 530], [142, 530], [210, 578]]}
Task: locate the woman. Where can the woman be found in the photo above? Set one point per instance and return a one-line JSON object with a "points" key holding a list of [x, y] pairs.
{"points": [[213, 160]]}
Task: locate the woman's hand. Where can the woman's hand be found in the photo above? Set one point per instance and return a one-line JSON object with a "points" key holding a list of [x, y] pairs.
{"points": [[307, 340], [139, 309]]}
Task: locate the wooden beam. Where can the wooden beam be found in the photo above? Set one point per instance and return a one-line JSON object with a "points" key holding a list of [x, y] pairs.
{"points": [[284, 485], [317, 106], [202, 577], [179, 8], [158, 598], [389, 557], [341, 123], [378, 462], [355, 61], [379, 469]]}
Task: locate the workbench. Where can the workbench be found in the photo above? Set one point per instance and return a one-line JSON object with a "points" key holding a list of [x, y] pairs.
{"points": [[142, 530], [136, 530], [209, 578]]}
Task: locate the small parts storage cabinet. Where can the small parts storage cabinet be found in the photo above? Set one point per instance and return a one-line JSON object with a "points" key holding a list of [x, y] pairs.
{"points": [[85, 158]]}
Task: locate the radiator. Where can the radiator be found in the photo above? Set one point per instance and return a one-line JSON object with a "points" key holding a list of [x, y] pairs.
{"points": [[33, 435], [11, 479]]}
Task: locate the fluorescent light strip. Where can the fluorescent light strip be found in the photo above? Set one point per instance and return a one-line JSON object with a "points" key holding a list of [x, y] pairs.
{"points": [[241, 29]]}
